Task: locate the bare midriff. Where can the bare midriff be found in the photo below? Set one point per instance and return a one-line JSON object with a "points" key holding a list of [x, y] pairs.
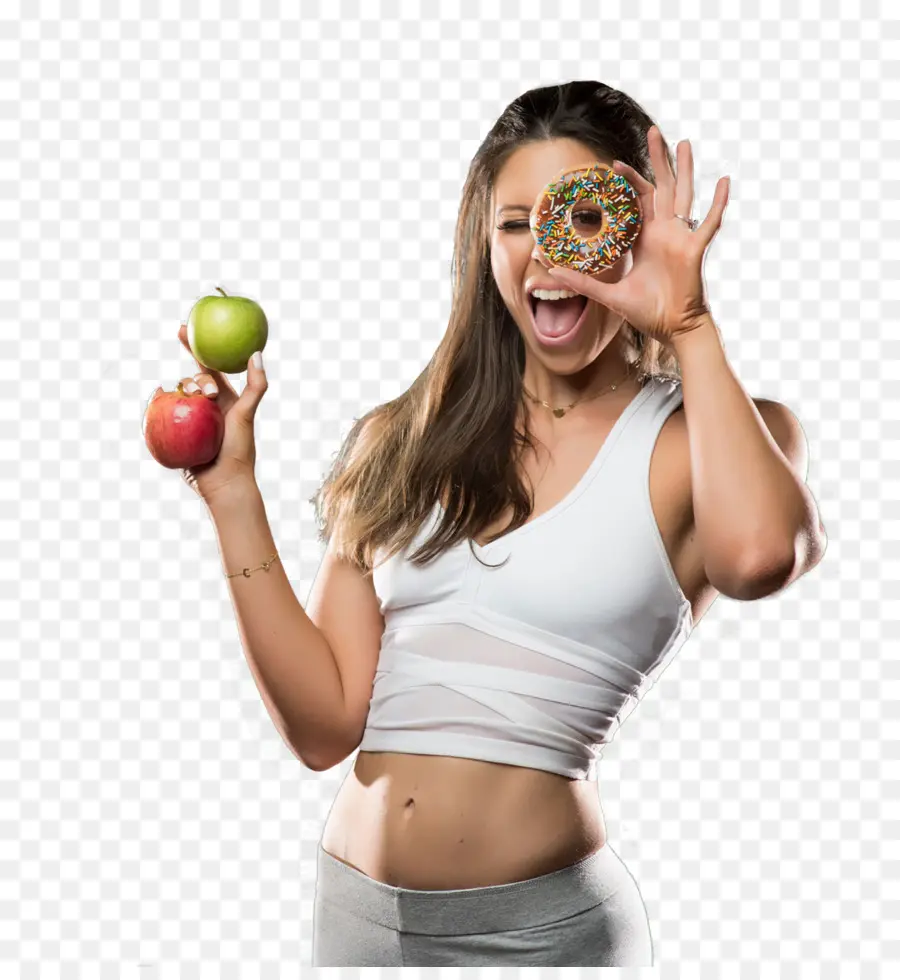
{"points": [[438, 822]]}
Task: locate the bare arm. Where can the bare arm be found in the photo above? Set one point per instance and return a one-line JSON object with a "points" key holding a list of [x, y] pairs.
{"points": [[290, 658]]}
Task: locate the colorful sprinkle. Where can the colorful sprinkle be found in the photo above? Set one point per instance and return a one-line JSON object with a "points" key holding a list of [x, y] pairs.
{"points": [[551, 218]]}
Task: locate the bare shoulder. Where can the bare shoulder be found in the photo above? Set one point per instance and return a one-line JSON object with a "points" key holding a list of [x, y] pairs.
{"points": [[671, 472], [785, 429], [672, 490], [779, 420]]}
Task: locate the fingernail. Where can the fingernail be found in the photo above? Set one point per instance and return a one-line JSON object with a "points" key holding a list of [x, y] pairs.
{"points": [[191, 387], [209, 388], [257, 360]]}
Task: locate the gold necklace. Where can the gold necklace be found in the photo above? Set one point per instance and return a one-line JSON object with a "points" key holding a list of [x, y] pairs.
{"points": [[560, 412]]}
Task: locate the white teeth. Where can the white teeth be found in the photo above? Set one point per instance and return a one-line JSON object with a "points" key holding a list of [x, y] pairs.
{"points": [[553, 294]]}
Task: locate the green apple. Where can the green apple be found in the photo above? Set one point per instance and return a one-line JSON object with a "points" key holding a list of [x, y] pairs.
{"points": [[224, 331]]}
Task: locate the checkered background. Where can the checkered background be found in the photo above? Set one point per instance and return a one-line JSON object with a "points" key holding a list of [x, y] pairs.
{"points": [[154, 824]]}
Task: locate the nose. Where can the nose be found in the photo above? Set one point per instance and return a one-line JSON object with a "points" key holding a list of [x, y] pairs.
{"points": [[538, 257]]}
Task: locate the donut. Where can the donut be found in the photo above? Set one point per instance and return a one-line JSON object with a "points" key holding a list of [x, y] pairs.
{"points": [[611, 199]]}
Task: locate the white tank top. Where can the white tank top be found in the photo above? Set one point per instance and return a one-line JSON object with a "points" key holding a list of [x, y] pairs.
{"points": [[539, 662]]}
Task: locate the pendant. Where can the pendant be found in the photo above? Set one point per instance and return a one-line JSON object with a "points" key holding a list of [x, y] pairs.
{"points": [[559, 412]]}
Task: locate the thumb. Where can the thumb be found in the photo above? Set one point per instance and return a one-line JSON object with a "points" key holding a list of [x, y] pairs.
{"points": [[254, 389], [588, 286]]}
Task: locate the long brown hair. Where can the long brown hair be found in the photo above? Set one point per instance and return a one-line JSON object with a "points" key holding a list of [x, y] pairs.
{"points": [[454, 430]]}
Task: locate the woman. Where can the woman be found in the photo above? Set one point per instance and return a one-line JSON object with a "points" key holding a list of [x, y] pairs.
{"points": [[488, 639]]}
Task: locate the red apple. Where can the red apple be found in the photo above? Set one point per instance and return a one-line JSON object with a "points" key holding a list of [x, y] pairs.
{"points": [[182, 429]]}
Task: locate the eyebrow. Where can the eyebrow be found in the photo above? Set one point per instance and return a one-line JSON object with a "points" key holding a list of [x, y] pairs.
{"points": [[512, 207]]}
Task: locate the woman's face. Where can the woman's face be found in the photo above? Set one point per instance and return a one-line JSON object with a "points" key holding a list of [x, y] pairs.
{"points": [[516, 264]]}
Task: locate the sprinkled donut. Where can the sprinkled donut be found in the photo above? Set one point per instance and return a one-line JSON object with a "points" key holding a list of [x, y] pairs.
{"points": [[610, 218]]}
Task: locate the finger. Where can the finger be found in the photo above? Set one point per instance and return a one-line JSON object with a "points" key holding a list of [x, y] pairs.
{"points": [[580, 283], [665, 179], [221, 380], [644, 189], [256, 387], [207, 384], [199, 382], [684, 187], [710, 225]]}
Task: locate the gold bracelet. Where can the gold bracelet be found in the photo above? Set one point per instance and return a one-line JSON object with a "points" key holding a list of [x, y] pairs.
{"points": [[246, 572]]}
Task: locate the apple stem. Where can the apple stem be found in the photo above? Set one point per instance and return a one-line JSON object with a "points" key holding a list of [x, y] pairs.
{"points": [[222, 291]]}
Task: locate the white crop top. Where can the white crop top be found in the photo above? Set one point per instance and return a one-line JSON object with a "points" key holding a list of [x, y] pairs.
{"points": [[539, 662]]}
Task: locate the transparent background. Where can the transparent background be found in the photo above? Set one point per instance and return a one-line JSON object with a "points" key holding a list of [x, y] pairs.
{"points": [[312, 156]]}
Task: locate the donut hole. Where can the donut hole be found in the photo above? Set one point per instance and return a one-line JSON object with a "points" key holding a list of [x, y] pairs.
{"points": [[587, 219]]}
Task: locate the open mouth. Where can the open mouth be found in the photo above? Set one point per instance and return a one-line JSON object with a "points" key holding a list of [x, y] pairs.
{"points": [[557, 321]]}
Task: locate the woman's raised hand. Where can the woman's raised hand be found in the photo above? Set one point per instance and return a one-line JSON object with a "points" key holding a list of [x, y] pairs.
{"points": [[236, 459]]}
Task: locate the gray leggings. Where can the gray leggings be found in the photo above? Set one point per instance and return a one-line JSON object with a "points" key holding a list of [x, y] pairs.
{"points": [[588, 914]]}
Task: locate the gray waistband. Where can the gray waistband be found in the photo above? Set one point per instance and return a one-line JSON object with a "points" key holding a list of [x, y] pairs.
{"points": [[458, 911]]}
